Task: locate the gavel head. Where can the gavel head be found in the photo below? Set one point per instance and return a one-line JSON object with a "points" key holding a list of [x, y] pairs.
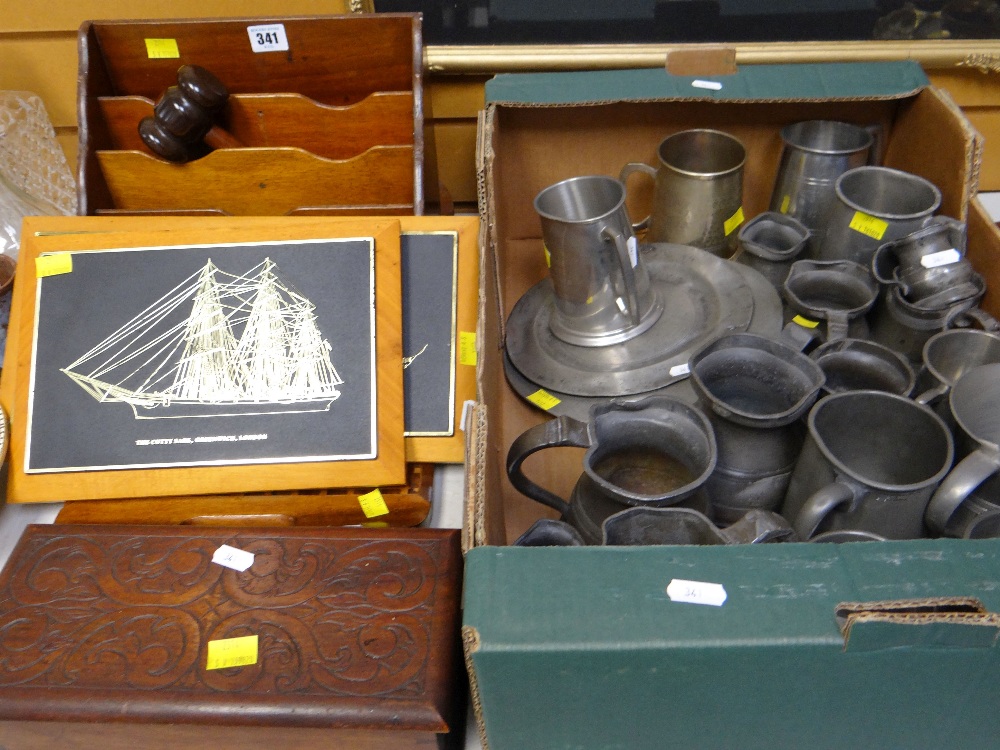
{"points": [[184, 115]]}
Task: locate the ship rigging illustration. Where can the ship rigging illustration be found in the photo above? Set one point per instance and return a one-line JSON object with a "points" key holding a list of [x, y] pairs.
{"points": [[217, 344]]}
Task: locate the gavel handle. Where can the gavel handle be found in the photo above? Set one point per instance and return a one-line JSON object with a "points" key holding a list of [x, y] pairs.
{"points": [[216, 137]]}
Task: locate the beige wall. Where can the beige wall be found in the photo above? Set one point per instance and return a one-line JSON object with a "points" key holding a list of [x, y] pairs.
{"points": [[38, 53]]}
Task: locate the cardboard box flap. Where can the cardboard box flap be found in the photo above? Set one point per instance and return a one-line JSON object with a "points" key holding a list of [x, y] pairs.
{"points": [[800, 82], [949, 622], [774, 594]]}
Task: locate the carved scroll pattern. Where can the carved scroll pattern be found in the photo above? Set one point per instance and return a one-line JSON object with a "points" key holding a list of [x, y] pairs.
{"points": [[331, 619]]}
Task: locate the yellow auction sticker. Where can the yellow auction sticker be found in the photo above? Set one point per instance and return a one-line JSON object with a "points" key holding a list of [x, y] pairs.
{"points": [[785, 202], [805, 322], [53, 264], [232, 652], [373, 504], [543, 399], [870, 226], [162, 49], [734, 221], [467, 348]]}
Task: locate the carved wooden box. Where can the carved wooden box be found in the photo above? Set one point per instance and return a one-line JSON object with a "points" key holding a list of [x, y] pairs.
{"points": [[104, 634]]}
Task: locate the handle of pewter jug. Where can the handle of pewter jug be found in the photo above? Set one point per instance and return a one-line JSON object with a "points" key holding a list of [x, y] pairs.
{"points": [[965, 318], [631, 168], [837, 325], [968, 474], [798, 336], [628, 273], [931, 394], [561, 431], [875, 150], [819, 505]]}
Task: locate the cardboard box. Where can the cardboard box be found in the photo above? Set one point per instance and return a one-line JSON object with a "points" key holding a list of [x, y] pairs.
{"points": [[817, 646]]}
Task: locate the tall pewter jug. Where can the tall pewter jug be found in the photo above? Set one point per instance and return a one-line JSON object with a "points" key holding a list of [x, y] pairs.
{"points": [[814, 154], [601, 286], [754, 390]]}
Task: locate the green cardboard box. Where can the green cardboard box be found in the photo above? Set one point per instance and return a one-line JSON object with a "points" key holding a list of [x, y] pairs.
{"points": [[816, 646]]}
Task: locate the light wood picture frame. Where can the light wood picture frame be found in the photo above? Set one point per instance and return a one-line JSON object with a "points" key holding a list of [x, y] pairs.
{"points": [[440, 260], [308, 454]]}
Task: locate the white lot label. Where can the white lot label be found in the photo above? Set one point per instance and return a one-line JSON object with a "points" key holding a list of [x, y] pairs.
{"points": [[942, 258], [230, 557], [678, 370], [711, 85], [696, 592], [633, 250], [268, 38]]}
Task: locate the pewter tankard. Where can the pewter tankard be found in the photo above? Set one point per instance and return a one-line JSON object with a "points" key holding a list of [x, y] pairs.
{"points": [[601, 287], [871, 462], [698, 190], [875, 205]]}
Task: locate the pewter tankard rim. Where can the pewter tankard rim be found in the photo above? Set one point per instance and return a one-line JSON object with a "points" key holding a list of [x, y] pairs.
{"points": [[684, 144], [545, 196], [843, 137], [851, 179]]}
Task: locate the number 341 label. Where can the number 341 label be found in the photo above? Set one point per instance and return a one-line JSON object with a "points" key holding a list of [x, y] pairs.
{"points": [[696, 592], [268, 38]]}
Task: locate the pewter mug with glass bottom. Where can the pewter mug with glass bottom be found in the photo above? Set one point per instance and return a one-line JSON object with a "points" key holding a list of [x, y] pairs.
{"points": [[814, 154], [655, 451], [697, 192], [875, 205], [975, 409], [871, 462], [769, 243], [754, 390], [600, 284]]}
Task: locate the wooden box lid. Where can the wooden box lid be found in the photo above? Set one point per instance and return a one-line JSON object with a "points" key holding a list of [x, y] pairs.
{"points": [[357, 629]]}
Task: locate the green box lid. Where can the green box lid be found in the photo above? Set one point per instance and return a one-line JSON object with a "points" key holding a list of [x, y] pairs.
{"points": [[826, 81]]}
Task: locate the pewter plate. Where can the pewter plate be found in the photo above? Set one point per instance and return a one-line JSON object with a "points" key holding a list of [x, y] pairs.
{"points": [[703, 297], [765, 320]]}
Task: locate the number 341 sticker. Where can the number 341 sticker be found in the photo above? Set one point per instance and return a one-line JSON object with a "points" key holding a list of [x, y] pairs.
{"points": [[268, 38]]}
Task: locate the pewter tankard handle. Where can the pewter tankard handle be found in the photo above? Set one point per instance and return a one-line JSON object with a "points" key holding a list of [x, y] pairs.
{"points": [[561, 431], [968, 474], [631, 168], [628, 273], [819, 505]]}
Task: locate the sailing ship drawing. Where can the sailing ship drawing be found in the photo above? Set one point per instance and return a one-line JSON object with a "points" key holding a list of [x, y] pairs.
{"points": [[217, 344]]}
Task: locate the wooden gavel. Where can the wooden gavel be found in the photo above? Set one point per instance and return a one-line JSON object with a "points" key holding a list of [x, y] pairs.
{"points": [[182, 126]]}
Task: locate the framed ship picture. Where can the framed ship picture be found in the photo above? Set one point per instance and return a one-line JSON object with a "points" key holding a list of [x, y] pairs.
{"points": [[440, 270], [220, 356]]}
